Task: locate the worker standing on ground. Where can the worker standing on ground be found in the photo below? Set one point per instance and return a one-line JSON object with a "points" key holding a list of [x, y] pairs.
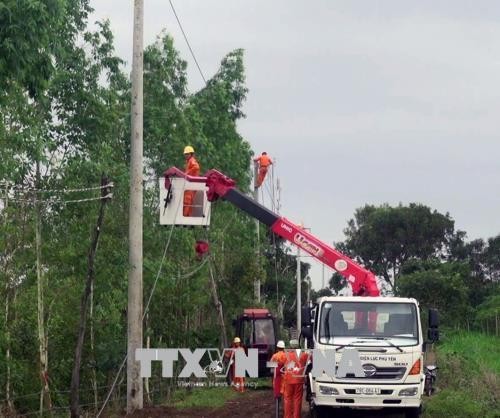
{"points": [[293, 389], [238, 383], [192, 169], [280, 359], [264, 161]]}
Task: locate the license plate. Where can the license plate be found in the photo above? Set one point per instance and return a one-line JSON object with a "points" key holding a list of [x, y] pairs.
{"points": [[367, 391]]}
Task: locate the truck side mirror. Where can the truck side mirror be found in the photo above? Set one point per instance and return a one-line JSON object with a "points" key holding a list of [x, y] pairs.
{"points": [[306, 316], [433, 318], [433, 331]]}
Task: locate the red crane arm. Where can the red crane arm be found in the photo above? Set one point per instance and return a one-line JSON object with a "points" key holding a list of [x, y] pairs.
{"points": [[363, 282]]}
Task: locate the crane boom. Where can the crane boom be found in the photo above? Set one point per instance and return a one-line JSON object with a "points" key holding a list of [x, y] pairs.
{"points": [[362, 281]]}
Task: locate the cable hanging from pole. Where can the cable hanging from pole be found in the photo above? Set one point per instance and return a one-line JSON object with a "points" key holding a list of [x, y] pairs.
{"points": [[52, 201], [187, 41], [22, 189]]}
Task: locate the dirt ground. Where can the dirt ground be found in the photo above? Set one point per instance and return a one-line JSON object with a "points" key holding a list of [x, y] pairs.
{"points": [[251, 404]]}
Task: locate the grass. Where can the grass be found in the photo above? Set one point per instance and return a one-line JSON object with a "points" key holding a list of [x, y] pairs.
{"points": [[212, 397], [468, 378], [479, 351], [206, 397]]}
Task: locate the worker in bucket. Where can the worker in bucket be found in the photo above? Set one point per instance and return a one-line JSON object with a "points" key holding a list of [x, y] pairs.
{"points": [[293, 388], [192, 169], [280, 359], [237, 383], [263, 161]]}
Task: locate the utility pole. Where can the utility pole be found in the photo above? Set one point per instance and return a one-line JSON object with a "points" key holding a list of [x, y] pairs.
{"points": [[299, 296], [256, 283], [134, 380]]}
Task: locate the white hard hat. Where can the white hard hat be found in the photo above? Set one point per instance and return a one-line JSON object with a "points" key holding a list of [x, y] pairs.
{"points": [[280, 344]]}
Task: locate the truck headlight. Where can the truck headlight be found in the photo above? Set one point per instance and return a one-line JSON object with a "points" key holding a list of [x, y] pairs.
{"points": [[327, 390], [408, 392]]}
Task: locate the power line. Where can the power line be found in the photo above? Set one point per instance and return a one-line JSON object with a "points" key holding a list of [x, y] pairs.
{"points": [[22, 189], [89, 199], [187, 41]]}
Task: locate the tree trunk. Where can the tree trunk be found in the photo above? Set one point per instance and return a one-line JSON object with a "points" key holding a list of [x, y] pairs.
{"points": [[218, 307], [41, 285], [92, 348], [148, 344], [75, 376], [8, 400]]}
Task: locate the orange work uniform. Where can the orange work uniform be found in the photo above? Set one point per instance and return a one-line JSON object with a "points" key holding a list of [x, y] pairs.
{"points": [[238, 383], [192, 169], [264, 162], [294, 383], [280, 358]]}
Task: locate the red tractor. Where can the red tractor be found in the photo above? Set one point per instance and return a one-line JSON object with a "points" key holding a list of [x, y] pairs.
{"points": [[257, 329]]}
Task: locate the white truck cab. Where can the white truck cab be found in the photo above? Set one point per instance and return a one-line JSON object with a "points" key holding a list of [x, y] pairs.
{"points": [[382, 339]]}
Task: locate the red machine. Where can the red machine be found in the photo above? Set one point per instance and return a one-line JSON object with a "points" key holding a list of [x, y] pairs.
{"points": [[257, 329], [362, 281]]}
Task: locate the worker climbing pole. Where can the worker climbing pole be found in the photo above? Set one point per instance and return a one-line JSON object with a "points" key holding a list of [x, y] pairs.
{"points": [[263, 162]]}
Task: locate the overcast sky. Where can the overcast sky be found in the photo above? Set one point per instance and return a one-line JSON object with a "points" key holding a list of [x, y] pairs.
{"points": [[359, 101]]}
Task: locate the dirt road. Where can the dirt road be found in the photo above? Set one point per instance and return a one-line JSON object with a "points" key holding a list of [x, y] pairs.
{"points": [[252, 404]]}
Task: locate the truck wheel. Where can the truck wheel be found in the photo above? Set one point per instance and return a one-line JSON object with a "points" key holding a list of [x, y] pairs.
{"points": [[413, 412]]}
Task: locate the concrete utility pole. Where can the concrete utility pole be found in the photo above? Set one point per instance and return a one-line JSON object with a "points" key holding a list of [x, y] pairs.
{"points": [[299, 295], [134, 381], [256, 283]]}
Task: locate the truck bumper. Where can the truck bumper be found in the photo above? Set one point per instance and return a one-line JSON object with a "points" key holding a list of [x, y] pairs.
{"points": [[346, 397]]}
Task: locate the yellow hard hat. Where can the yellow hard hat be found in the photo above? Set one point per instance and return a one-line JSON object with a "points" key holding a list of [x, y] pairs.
{"points": [[188, 149], [236, 340]]}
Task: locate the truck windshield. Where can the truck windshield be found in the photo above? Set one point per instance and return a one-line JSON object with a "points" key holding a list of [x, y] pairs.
{"points": [[368, 319]]}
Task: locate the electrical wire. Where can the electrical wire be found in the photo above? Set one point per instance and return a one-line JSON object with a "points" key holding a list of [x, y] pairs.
{"points": [[52, 391], [89, 199], [5, 186], [187, 41], [63, 408]]}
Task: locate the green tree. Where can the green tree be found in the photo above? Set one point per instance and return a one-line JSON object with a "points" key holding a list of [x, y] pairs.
{"points": [[489, 313], [484, 262], [383, 238], [31, 34], [337, 282], [438, 285], [68, 129]]}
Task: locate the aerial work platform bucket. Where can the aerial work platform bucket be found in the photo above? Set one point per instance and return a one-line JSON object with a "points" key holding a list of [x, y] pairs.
{"points": [[184, 203]]}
